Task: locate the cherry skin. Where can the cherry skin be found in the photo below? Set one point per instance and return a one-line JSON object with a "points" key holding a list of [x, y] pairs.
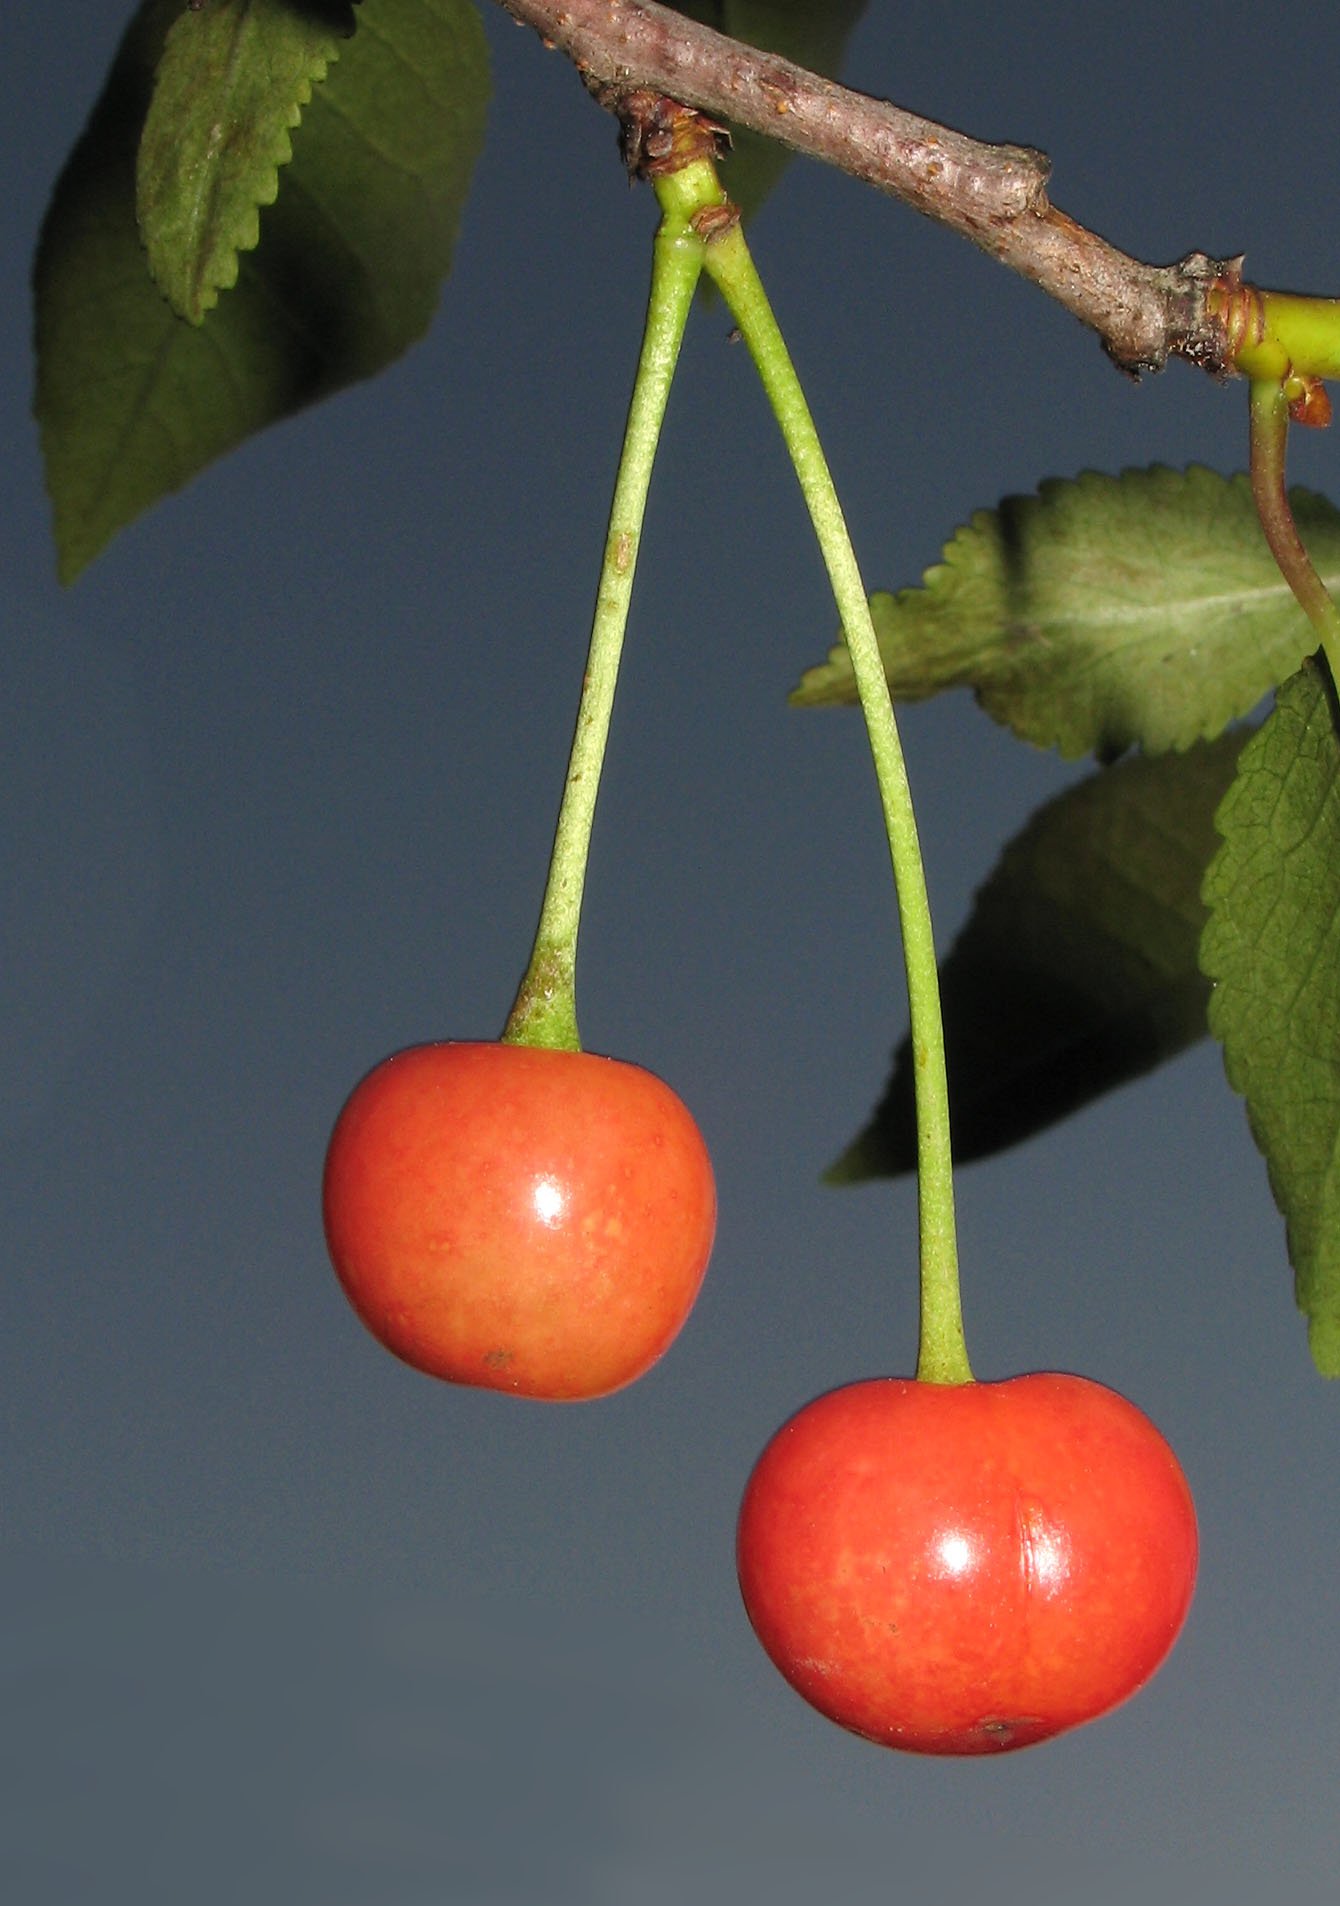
{"points": [[965, 1568], [522, 1219]]}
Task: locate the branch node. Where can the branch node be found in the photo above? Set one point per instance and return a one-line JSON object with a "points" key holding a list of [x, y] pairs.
{"points": [[659, 135], [1198, 327]]}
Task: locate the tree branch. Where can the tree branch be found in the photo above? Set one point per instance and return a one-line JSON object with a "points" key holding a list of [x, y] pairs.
{"points": [[994, 195]]}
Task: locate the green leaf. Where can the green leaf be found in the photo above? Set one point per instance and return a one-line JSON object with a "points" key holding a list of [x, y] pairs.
{"points": [[132, 400], [1104, 613], [1272, 949], [231, 85], [813, 33], [1077, 968]]}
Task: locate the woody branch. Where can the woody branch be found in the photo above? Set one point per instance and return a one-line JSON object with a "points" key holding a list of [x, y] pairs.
{"points": [[994, 195]]}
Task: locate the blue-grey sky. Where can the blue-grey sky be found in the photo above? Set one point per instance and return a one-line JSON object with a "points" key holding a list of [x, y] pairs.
{"points": [[282, 1620]]}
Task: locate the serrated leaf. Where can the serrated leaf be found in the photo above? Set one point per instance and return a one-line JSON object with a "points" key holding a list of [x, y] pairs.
{"points": [[1103, 613], [1272, 949], [132, 400], [813, 33], [231, 85], [1077, 968]]}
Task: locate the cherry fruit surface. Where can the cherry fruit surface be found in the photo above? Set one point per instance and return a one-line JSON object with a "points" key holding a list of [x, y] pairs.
{"points": [[966, 1568], [519, 1218]]}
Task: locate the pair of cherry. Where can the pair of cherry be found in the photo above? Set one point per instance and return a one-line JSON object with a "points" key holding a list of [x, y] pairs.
{"points": [[952, 1568]]}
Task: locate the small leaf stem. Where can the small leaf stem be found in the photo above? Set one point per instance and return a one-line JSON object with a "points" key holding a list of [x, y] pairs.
{"points": [[1269, 441], [942, 1355], [545, 1010]]}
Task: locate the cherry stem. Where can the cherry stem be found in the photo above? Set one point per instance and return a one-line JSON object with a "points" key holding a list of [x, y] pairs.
{"points": [[942, 1354], [1269, 440], [545, 1010]]}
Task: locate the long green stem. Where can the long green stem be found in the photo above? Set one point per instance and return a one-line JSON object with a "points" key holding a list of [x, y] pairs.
{"points": [[942, 1355], [1269, 441], [545, 1011]]}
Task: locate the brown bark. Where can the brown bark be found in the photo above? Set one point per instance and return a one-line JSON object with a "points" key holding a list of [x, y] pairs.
{"points": [[995, 195]]}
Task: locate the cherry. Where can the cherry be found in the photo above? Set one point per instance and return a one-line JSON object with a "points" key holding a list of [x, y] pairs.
{"points": [[524, 1219], [964, 1568]]}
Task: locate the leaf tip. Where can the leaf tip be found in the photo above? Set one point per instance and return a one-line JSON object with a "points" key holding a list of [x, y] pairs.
{"points": [[1323, 1340], [876, 1152]]}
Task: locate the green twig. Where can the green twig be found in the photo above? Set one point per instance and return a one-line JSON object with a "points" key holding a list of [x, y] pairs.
{"points": [[1276, 334]]}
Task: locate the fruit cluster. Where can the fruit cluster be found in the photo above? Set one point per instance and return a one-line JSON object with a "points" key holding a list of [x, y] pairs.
{"points": [[937, 1564], [952, 1568]]}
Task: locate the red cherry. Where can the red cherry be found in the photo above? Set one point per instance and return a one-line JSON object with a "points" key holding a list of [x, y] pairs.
{"points": [[964, 1568], [523, 1219]]}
